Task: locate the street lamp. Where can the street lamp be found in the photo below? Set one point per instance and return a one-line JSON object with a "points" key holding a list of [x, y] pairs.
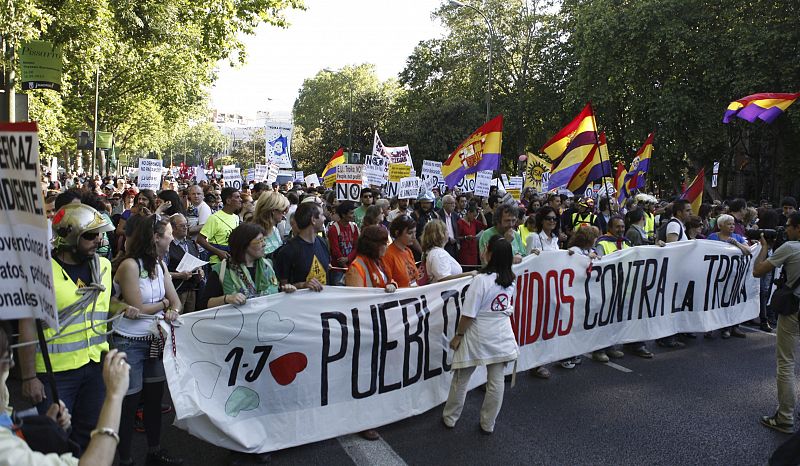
{"points": [[458, 4], [350, 119]]}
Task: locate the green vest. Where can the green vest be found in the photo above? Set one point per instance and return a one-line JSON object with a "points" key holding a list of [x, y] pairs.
{"points": [[75, 351]]}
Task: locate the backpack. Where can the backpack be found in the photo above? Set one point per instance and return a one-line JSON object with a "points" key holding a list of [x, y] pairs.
{"points": [[662, 230]]}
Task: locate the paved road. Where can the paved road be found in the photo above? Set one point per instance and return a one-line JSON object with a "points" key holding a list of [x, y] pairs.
{"points": [[696, 405]]}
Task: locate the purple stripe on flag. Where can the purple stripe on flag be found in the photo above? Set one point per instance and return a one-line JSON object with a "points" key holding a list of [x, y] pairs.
{"points": [[750, 112], [583, 139], [769, 115], [487, 162], [562, 176], [595, 173], [729, 114]]}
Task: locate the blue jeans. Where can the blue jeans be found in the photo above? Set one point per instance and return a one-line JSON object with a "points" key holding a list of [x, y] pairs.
{"points": [[82, 390], [143, 369]]}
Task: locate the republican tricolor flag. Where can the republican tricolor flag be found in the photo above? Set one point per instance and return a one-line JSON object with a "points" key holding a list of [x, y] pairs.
{"points": [[640, 165], [329, 172], [480, 151], [766, 107], [694, 193], [571, 146], [619, 183]]}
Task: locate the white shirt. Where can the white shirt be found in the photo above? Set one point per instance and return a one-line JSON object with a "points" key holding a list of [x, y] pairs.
{"points": [[490, 339], [440, 264], [541, 242], [676, 227], [448, 220]]}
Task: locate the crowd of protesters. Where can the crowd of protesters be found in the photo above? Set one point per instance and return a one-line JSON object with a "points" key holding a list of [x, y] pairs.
{"points": [[268, 238]]}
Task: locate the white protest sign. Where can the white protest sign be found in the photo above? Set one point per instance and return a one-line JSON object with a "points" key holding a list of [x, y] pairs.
{"points": [[272, 173], [348, 182], [254, 377], [299, 176], [401, 154], [545, 181], [408, 188], [483, 182], [312, 180], [150, 174], [431, 174], [466, 184], [376, 169], [26, 270], [278, 137], [200, 174], [231, 177], [260, 173]]}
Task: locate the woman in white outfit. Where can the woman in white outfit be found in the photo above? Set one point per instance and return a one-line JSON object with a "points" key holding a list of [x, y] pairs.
{"points": [[484, 335], [545, 237], [439, 264]]}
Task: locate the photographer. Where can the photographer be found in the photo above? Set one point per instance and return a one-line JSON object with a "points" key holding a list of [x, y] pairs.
{"points": [[788, 256]]}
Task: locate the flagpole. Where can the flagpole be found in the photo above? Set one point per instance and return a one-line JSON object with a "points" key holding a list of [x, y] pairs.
{"points": [[597, 141]]}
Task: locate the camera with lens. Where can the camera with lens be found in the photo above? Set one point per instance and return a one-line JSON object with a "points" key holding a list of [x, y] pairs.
{"points": [[771, 235]]}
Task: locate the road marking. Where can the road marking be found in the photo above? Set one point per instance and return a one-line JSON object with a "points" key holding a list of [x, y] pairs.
{"points": [[757, 330], [365, 452], [610, 364]]}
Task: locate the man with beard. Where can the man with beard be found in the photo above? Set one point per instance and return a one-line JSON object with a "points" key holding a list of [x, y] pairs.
{"points": [[75, 357], [213, 237]]}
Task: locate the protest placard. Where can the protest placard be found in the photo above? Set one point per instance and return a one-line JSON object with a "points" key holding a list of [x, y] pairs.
{"points": [[408, 188], [260, 173], [376, 169], [312, 180], [272, 173], [483, 182], [466, 184], [25, 268], [150, 171], [431, 174], [401, 154], [398, 171], [231, 177], [348, 182], [278, 137], [514, 187]]}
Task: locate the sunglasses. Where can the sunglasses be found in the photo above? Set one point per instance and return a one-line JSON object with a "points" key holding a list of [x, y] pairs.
{"points": [[550, 218]]}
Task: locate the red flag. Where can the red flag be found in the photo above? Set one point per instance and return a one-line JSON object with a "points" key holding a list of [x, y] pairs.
{"points": [[211, 163]]}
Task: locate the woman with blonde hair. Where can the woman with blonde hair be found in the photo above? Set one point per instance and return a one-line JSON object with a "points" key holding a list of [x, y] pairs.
{"points": [[439, 264], [271, 209]]}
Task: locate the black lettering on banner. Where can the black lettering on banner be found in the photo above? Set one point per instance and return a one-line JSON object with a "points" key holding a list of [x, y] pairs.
{"points": [[608, 271], [373, 362], [688, 298], [328, 358], [448, 296], [648, 282], [386, 346], [711, 259], [637, 265], [412, 338], [588, 309], [661, 288], [428, 373]]}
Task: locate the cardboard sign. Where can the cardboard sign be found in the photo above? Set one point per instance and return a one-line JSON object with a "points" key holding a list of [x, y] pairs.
{"points": [[398, 171], [408, 188]]}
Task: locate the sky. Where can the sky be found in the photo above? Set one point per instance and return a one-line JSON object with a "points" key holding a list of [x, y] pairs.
{"points": [[328, 34]]}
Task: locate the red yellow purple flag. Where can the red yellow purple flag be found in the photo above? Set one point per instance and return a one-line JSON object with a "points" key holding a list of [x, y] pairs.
{"points": [[569, 147], [765, 106], [619, 183], [640, 165], [480, 151], [596, 165], [329, 172], [694, 193]]}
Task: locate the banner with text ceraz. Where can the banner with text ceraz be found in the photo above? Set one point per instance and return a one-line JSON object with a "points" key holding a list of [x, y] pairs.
{"points": [[150, 171], [290, 369], [348, 182], [278, 137], [25, 267]]}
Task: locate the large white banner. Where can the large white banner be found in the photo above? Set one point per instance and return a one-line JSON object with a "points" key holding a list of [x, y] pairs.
{"points": [[150, 171], [291, 369], [25, 268], [278, 137], [401, 154]]}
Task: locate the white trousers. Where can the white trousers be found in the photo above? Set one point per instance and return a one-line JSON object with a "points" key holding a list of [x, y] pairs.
{"points": [[492, 401]]}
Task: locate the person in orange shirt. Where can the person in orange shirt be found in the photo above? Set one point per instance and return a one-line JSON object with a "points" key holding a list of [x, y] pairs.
{"points": [[399, 260]]}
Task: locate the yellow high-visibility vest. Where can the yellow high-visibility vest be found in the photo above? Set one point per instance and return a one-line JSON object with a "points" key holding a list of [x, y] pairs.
{"points": [[608, 244], [650, 225], [75, 351]]}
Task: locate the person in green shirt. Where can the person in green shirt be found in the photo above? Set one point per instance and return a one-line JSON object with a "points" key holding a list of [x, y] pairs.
{"points": [[367, 198], [213, 237], [505, 216]]}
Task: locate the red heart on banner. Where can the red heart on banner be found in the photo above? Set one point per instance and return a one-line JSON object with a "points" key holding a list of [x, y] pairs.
{"points": [[285, 368]]}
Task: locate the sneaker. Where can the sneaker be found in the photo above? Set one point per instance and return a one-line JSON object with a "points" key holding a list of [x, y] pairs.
{"points": [[643, 353], [166, 408], [726, 334], [162, 458], [567, 364], [576, 360], [772, 423], [615, 353], [600, 356], [766, 327], [540, 372], [370, 434], [670, 343], [736, 332]]}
